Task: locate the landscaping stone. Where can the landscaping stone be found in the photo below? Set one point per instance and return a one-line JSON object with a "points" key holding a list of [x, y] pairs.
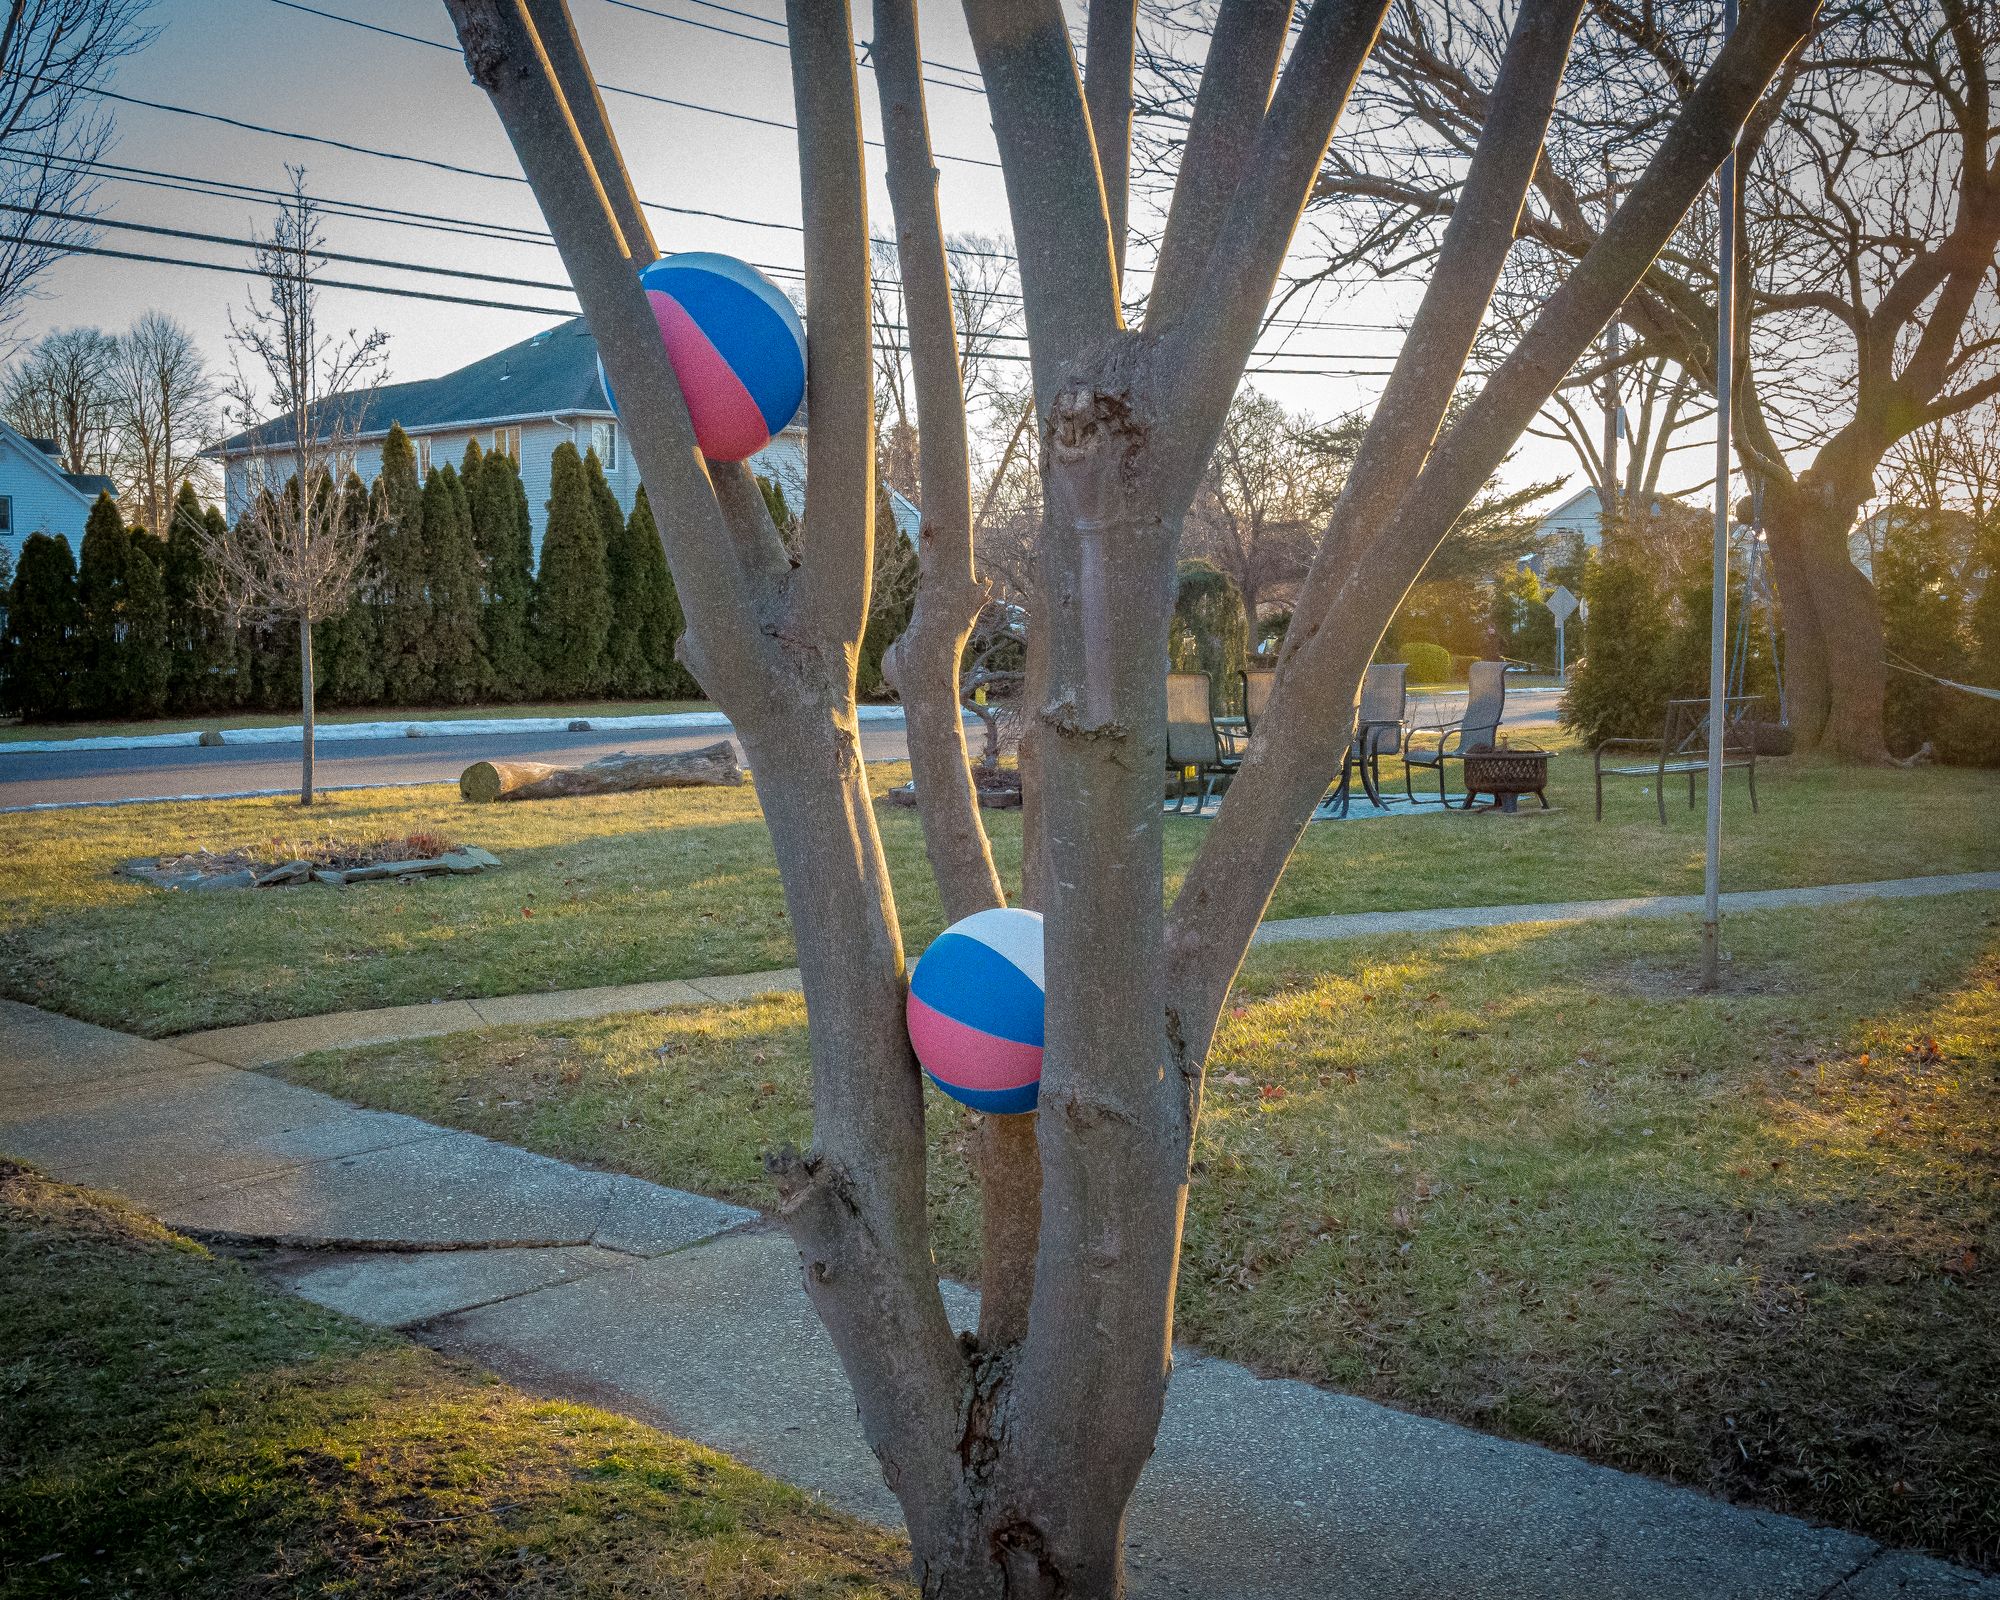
{"points": [[334, 879], [579, 725], [291, 872], [415, 730], [242, 878], [210, 738]]}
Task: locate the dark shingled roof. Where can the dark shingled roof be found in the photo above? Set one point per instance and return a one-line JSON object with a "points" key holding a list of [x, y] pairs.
{"points": [[552, 374], [92, 484]]}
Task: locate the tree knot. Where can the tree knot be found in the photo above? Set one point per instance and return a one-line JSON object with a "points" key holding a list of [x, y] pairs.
{"points": [[1066, 722]]}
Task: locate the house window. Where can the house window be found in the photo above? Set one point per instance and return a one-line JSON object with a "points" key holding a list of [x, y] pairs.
{"points": [[423, 457], [604, 440], [6, 513], [507, 442]]}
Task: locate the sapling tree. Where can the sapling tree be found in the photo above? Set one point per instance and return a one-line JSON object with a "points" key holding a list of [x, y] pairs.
{"points": [[1014, 1452], [297, 547]]}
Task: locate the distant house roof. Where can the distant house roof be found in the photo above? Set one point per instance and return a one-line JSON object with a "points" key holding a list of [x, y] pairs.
{"points": [[553, 374], [44, 454]]}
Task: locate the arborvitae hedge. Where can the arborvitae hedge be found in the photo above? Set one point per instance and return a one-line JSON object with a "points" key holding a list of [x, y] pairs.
{"points": [[458, 653], [572, 613], [147, 647], [403, 597], [40, 648], [447, 607], [100, 586]]}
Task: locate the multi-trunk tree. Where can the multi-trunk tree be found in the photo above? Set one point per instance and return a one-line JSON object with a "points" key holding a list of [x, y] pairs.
{"points": [[1014, 1452]]}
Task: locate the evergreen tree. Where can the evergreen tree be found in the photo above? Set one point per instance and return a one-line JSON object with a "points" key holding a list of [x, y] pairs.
{"points": [[572, 613], [458, 644], [347, 649], [231, 686], [892, 595], [198, 641], [44, 620], [148, 648], [667, 621], [637, 609], [1619, 689], [1973, 732], [100, 585], [505, 536], [409, 662]]}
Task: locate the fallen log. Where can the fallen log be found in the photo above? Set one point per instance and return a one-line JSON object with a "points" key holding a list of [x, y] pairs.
{"points": [[712, 765]]}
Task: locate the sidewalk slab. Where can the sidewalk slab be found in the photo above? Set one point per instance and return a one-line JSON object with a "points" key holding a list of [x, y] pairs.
{"points": [[394, 1291], [1259, 1490], [732, 988], [579, 1005], [455, 1189], [41, 1050], [257, 1043], [1366, 924], [451, 1190], [156, 1137], [717, 1343]]}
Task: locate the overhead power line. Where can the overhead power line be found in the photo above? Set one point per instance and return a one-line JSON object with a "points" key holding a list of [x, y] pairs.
{"points": [[609, 88]]}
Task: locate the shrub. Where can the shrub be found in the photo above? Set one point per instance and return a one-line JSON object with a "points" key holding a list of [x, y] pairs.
{"points": [[1208, 633], [1429, 663]]}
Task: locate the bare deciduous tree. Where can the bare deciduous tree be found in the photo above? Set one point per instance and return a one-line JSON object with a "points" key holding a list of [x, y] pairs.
{"points": [[1263, 501], [1871, 188], [299, 540], [166, 406], [53, 55], [1014, 1452], [60, 389]]}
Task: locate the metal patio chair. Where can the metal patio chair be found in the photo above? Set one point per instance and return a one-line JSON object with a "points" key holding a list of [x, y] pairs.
{"points": [[1194, 743], [1477, 729]]}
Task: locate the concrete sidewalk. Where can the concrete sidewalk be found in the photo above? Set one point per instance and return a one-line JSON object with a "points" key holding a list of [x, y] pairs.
{"points": [[260, 1043], [689, 1312]]}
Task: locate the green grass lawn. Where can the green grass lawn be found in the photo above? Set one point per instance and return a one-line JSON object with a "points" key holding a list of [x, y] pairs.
{"points": [[626, 888], [14, 732], [171, 1427], [1518, 1177]]}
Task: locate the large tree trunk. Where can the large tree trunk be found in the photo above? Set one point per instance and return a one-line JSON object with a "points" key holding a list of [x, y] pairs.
{"points": [[1835, 679]]}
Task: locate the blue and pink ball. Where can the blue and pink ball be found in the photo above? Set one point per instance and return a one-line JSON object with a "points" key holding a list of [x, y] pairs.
{"points": [[737, 347], [975, 1010]]}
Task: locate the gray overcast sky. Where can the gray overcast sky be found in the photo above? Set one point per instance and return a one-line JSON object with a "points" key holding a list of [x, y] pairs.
{"points": [[264, 61]]}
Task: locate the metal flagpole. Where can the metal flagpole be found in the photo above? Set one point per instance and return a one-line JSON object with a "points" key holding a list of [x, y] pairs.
{"points": [[1718, 610]]}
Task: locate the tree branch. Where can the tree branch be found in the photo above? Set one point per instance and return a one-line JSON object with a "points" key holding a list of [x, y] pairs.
{"points": [[839, 542], [1109, 39], [1069, 276]]}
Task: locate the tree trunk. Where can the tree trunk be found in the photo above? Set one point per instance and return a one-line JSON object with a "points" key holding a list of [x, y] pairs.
{"points": [[711, 766], [307, 698], [1835, 679]]}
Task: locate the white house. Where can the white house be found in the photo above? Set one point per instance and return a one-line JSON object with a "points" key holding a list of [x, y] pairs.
{"points": [[37, 496], [526, 400]]}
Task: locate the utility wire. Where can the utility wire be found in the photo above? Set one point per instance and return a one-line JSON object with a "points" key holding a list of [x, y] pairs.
{"points": [[608, 88]]}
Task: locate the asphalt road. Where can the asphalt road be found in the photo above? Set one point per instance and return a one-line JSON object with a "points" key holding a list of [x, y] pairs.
{"points": [[100, 776]]}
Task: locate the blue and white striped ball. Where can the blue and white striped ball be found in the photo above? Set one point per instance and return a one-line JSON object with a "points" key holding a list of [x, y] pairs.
{"points": [[737, 346], [975, 1010]]}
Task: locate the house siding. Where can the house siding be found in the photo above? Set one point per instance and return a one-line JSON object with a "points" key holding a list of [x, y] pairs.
{"points": [[41, 503]]}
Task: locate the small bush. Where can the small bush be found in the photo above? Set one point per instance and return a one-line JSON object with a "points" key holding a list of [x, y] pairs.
{"points": [[1429, 663]]}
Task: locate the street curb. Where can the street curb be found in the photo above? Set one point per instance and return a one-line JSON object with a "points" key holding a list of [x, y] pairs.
{"points": [[453, 728]]}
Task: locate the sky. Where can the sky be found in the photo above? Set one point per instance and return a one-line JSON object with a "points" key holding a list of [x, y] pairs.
{"points": [[285, 64]]}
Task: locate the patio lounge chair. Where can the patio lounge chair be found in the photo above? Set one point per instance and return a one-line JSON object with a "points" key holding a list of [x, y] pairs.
{"points": [[1194, 743], [1683, 747], [1485, 701]]}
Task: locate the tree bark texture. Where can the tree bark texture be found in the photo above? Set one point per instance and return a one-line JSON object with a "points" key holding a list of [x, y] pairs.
{"points": [[711, 766]]}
